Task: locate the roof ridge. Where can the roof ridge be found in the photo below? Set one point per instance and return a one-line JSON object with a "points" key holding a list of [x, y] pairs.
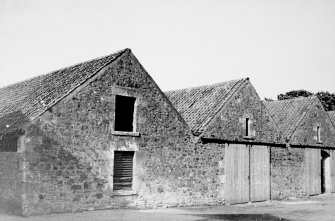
{"points": [[64, 68], [206, 85]]}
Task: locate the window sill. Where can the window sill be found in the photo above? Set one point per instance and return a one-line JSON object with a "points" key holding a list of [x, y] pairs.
{"points": [[126, 133], [319, 142], [124, 192], [248, 138]]}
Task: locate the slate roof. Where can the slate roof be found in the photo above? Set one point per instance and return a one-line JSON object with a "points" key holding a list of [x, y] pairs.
{"points": [[24, 101], [332, 116], [199, 105], [288, 114]]}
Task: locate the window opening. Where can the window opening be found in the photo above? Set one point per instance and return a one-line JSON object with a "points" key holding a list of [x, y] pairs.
{"points": [[124, 113], [318, 134], [247, 127]]}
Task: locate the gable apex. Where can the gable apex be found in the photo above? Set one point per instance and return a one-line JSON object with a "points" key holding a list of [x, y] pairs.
{"points": [[199, 105], [298, 119], [243, 118]]}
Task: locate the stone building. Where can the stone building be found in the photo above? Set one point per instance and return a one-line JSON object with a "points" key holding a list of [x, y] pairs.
{"points": [[304, 168], [99, 134], [234, 134]]}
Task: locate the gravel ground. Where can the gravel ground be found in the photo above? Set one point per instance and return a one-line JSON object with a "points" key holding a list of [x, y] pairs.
{"points": [[318, 208]]}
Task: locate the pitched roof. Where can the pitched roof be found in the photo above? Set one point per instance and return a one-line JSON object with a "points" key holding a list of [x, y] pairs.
{"points": [[332, 116], [24, 101], [199, 105], [288, 114]]}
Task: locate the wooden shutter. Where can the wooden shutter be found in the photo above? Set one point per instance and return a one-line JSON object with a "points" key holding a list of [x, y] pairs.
{"points": [[237, 173], [123, 170], [313, 171], [259, 173]]}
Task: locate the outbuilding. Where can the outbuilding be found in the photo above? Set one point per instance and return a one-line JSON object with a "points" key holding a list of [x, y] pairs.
{"points": [[95, 135], [234, 134], [306, 166]]}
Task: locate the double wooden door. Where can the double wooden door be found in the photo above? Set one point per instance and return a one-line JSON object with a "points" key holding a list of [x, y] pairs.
{"points": [[247, 170]]}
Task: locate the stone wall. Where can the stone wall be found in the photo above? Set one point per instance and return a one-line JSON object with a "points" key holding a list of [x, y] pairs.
{"points": [[69, 150], [207, 169], [287, 172], [230, 123], [10, 183]]}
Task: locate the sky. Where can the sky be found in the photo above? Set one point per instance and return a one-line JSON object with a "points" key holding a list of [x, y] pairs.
{"points": [[280, 45]]}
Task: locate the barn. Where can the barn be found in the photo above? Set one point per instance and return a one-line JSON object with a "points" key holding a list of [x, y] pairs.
{"points": [[99, 134], [234, 136], [307, 165]]}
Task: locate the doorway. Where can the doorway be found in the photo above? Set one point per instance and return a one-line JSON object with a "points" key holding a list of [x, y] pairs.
{"points": [[325, 172]]}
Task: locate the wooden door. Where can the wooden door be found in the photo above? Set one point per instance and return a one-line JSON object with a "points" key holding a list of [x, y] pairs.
{"points": [[237, 173], [332, 171], [259, 173], [313, 171]]}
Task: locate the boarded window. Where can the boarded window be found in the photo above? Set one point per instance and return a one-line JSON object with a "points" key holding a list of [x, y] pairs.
{"points": [[124, 113], [123, 170]]}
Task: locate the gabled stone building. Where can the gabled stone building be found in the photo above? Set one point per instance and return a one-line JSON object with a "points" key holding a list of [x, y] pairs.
{"points": [[304, 168], [99, 134], [234, 134]]}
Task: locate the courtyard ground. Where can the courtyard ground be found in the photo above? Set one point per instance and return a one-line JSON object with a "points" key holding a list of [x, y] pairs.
{"points": [[318, 208]]}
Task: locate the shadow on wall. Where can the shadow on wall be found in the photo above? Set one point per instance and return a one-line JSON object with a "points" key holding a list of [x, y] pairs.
{"points": [[12, 122], [239, 217], [10, 130]]}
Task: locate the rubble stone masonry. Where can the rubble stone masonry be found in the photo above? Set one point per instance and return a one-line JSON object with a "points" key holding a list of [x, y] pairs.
{"points": [[10, 183], [287, 172], [306, 133], [229, 124]]}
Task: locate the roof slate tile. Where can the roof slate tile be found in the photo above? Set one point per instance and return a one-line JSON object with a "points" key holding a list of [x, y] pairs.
{"points": [[289, 113], [199, 105]]}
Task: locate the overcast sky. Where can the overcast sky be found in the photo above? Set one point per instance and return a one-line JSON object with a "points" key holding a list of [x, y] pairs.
{"points": [[281, 45]]}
